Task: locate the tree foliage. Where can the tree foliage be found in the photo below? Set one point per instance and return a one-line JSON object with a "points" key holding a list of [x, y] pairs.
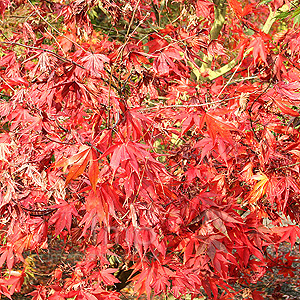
{"points": [[159, 140]]}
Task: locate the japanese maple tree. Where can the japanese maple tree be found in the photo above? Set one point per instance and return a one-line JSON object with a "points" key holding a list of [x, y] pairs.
{"points": [[158, 141]]}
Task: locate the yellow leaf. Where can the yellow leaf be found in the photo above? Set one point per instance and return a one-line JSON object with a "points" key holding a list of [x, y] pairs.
{"points": [[259, 189]]}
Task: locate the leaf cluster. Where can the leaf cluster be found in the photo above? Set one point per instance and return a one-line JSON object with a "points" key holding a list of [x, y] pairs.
{"points": [[159, 141]]}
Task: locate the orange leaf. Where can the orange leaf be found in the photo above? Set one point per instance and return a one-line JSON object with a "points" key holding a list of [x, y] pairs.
{"points": [[80, 161], [215, 125], [237, 8], [78, 168], [259, 189], [93, 169]]}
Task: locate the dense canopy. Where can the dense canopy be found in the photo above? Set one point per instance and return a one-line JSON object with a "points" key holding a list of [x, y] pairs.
{"points": [[154, 143]]}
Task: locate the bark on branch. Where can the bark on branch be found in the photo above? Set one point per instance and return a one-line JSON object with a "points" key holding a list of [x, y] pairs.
{"points": [[220, 13]]}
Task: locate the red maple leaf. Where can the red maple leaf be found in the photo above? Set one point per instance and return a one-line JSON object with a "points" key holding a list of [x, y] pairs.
{"points": [[203, 8], [86, 156], [94, 63], [3, 5], [259, 50], [237, 8], [63, 216]]}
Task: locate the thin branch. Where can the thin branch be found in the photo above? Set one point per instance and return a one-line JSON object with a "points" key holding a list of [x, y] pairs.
{"points": [[59, 142], [228, 82], [45, 50], [56, 30], [90, 145], [7, 83], [250, 111], [120, 54], [56, 41], [35, 212], [243, 79], [182, 105], [288, 166], [117, 120]]}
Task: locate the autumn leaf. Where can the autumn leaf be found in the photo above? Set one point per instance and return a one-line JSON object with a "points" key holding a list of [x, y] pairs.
{"points": [[279, 68], [107, 276], [203, 8], [7, 256], [39, 293], [237, 8], [259, 50], [93, 168], [288, 90], [283, 105], [63, 216], [94, 63], [120, 154], [259, 188], [78, 167], [3, 5], [288, 232], [79, 162], [216, 126], [65, 162]]}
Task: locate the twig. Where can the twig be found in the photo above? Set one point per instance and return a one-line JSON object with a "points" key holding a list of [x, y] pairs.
{"points": [[141, 181], [132, 18], [45, 50], [58, 44], [59, 142], [117, 120], [228, 82], [36, 212], [287, 166], [243, 79], [123, 295], [250, 110], [90, 145], [56, 30], [182, 105], [7, 84], [120, 54]]}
